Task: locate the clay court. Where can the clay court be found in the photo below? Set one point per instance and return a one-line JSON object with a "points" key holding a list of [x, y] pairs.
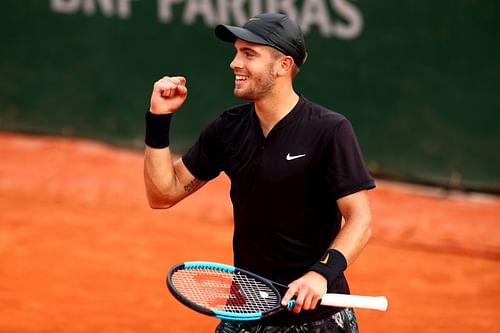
{"points": [[81, 251]]}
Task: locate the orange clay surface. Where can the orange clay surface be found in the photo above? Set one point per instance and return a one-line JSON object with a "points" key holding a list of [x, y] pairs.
{"points": [[81, 251]]}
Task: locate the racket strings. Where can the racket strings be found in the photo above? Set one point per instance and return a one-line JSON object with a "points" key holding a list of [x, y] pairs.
{"points": [[225, 291]]}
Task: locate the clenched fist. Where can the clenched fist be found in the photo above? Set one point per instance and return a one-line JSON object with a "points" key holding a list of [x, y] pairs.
{"points": [[169, 93]]}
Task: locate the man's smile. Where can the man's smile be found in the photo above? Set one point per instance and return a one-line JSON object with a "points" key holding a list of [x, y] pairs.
{"points": [[241, 78]]}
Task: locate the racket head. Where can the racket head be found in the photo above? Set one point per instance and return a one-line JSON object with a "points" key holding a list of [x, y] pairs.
{"points": [[223, 291]]}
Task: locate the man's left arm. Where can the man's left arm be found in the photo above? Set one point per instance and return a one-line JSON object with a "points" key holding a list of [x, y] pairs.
{"points": [[356, 232], [350, 241]]}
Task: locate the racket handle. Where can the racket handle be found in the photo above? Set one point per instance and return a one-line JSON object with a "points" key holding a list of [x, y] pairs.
{"points": [[354, 301]]}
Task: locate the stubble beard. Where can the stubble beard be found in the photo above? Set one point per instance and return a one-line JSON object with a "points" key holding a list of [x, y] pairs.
{"points": [[262, 86]]}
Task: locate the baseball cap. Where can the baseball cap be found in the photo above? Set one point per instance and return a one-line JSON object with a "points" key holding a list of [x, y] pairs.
{"points": [[272, 29]]}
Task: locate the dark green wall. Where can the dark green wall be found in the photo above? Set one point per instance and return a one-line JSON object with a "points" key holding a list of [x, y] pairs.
{"points": [[420, 82]]}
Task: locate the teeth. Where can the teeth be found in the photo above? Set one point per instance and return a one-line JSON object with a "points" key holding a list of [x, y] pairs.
{"points": [[241, 77]]}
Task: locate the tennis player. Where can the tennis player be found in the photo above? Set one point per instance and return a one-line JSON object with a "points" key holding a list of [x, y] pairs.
{"points": [[298, 178]]}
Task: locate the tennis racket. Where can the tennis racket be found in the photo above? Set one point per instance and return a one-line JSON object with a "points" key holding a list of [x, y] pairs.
{"points": [[230, 293]]}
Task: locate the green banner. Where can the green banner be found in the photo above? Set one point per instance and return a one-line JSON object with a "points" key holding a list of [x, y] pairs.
{"points": [[420, 80]]}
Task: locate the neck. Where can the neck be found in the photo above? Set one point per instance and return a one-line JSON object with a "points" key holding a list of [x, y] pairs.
{"points": [[271, 109]]}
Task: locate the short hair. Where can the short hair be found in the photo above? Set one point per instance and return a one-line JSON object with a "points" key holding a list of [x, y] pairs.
{"points": [[277, 53]]}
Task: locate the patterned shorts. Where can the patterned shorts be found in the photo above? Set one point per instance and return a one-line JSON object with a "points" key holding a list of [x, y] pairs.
{"points": [[342, 322]]}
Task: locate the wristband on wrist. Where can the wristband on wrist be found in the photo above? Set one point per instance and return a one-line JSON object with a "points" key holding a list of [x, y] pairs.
{"points": [[331, 265], [157, 130]]}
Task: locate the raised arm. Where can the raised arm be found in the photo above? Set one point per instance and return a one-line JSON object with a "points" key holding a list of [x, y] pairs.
{"points": [[167, 181]]}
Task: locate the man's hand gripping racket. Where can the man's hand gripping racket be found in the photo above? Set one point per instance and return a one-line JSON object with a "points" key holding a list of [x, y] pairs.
{"points": [[227, 292]]}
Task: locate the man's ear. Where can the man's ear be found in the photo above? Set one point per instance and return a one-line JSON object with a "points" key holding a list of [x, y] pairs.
{"points": [[285, 65]]}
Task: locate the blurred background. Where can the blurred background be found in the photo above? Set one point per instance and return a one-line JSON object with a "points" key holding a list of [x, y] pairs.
{"points": [[81, 251], [420, 80]]}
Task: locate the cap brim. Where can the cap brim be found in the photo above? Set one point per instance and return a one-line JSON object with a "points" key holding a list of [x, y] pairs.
{"points": [[229, 33]]}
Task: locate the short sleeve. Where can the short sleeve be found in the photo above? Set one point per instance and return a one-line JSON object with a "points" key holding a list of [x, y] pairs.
{"points": [[203, 158], [346, 169]]}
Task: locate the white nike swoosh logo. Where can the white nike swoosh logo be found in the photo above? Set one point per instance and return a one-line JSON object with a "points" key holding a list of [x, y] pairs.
{"points": [[293, 157]]}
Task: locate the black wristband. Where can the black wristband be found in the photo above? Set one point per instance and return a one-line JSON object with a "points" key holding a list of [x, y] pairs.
{"points": [[331, 265], [157, 130]]}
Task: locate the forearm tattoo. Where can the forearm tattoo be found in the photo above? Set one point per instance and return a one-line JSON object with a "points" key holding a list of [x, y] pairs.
{"points": [[193, 185]]}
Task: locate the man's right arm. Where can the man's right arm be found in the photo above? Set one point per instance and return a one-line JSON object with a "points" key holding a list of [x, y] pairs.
{"points": [[167, 182]]}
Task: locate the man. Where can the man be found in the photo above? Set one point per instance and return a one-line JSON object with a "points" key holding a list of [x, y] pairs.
{"points": [[295, 167]]}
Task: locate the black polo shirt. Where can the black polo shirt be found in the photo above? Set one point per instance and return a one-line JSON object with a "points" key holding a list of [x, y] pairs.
{"points": [[284, 186]]}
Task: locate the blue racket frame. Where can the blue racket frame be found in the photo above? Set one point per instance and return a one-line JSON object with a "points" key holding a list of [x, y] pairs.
{"points": [[226, 315]]}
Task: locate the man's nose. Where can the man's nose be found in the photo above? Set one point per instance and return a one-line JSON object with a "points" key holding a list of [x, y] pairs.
{"points": [[235, 63]]}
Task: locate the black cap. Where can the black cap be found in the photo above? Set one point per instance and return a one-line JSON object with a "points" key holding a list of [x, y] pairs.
{"points": [[272, 29]]}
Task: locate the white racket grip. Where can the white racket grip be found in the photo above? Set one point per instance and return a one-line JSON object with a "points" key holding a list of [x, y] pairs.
{"points": [[354, 301]]}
